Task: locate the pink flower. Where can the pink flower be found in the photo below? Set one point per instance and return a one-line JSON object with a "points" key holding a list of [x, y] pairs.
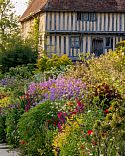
{"points": [[59, 126], [60, 114]]}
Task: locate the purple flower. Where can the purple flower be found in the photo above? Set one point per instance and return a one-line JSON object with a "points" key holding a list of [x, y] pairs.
{"points": [[61, 88]]}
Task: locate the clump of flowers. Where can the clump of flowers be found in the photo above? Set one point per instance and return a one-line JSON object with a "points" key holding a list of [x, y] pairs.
{"points": [[62, 116], [55, 89]]}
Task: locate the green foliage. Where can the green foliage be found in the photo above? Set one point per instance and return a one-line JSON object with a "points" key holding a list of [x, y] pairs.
{"points": [[36, 33], [35, 129], [100, 130], [45, 63], [105, 95], [18, 53], [2, 128], [12, 118], [120, 45], [21, 71], [42, 62], [109, 133], [8, 23], [76, 137]]}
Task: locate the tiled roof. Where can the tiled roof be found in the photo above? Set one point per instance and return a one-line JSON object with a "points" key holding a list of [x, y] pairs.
{"points": [[74, 5], [34, 7]]}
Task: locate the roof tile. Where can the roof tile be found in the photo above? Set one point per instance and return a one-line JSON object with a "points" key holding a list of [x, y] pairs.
{"points": [[73, 5]]}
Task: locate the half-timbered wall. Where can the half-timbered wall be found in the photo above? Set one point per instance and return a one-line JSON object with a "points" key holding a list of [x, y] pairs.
{"points": [[42, 23], [61, 44], [68, 21], [60, 29], [63, 26]]}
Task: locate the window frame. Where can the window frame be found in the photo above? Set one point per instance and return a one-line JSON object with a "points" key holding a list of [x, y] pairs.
{"points": [[108, 46], [75, 40], [86, 16], [110, 43]]}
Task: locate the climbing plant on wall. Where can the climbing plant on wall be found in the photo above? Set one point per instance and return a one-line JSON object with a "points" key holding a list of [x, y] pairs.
{"points": [[36, 33]]}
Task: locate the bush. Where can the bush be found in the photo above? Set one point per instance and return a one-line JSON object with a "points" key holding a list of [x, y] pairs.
{"points": [[2, 128], [12, 117], [76, 137], [21, 71], [36, 129], [45, 63], [18, 53], [120, 45]]}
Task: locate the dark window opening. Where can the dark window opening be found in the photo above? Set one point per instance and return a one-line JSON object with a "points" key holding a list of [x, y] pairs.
{"points": [[86, 16], [75, 42], [79, 16], [108, 41]]}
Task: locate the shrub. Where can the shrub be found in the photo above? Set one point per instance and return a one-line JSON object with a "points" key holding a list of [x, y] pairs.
{"points": [[108, 68], [12, 117], [105, 95], [18, 53], [2, 128], [45, 63], [42, 62], [36, 128], [109, 132], [76, 137], [21, 71], [120, 45]]}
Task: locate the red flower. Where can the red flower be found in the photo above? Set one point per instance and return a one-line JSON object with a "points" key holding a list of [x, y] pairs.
{"points": [[90, 132], [106, 111], [79, 103]]}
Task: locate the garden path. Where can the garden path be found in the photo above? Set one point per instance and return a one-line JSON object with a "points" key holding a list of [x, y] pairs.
{"points": [[4, 151]]}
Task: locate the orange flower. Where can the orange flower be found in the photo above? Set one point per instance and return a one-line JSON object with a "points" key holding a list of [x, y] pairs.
{"points": [[22, 142]]}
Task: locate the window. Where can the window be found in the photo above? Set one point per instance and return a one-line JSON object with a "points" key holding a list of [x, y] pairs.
{"points": [[109, 42], [75, 42], [86, 16]]}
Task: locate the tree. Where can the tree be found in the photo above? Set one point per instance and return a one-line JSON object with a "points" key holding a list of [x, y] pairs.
{"points": [[8, 23]]}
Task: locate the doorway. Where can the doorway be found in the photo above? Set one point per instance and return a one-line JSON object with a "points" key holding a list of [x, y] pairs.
{"points": [[97, 46]]}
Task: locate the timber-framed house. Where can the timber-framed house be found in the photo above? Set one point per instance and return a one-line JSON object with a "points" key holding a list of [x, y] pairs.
{"points": [[73, 27]]}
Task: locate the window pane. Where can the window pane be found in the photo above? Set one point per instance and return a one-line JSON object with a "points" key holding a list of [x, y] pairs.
{"points": [[76, 39], [108, 42], [75, 42], [85, 16]]}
